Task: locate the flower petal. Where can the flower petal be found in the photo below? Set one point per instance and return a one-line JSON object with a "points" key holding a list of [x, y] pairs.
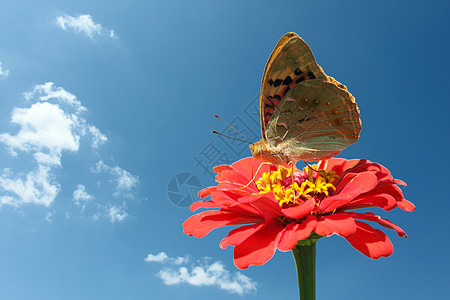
{"points": [[406, 205], [206, 191], [219, 199], [338, 165], [249, 165], [295, 232], [203, 204], [359, 184], [259, 247], [242, 172], [201, 224], [266, 204], [394, 191], [372, 217], [238, 235], [232, 176], [384, 201], [365, 165], [339, 224], [237, 189], [370, 242], [399, 182], [227, 197], [300, 211], [221, 168]]}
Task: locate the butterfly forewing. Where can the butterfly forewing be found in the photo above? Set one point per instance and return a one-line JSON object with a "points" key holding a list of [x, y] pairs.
{"points": [[316, 119], [305, 114], [290, 63]]}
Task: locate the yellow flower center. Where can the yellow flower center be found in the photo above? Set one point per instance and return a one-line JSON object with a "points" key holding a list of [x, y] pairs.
{"points": [[295, 189]]}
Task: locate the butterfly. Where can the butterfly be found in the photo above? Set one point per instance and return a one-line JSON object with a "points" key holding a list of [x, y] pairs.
{"points": [[305, 114]]}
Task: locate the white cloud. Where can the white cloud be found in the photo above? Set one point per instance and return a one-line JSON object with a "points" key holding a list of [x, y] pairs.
{"points": [[7, 200], [80, 194], [48, 216], [80, 24], [203, 274], [180, 260], [89, 206], [98, 138], [5, 73], [49, 92], [83, 24], [162, 257], [36, 187], [123, 180], [117, 214], [45, 130], [50, 126], [112, 34]]}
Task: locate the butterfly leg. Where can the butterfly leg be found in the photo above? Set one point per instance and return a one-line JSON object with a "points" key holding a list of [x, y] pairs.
{"points": [[254, 176], [292, 177], [253, 165]]}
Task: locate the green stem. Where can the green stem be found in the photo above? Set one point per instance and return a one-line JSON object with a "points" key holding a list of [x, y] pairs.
{"points": [[305, 259]]}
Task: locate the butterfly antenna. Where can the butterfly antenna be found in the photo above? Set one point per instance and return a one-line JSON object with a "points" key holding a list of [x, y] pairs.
{"points": [[215, 132], [248, 140]]}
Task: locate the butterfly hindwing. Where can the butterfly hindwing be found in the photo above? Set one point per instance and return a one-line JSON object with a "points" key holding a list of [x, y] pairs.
{"points": [[290, 63], [315, 119], [305, 114]]}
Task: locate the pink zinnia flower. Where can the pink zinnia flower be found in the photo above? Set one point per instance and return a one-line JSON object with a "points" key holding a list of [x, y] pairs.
{"points": [[280, 209]]}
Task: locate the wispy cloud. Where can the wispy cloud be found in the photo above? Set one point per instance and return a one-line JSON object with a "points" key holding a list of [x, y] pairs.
{"points": [[50, 125], [81, 195], [117, 213], [112, 34], [48, 91], [162, 257], [83, 24], [45, 132], [5, 73], [123, 180], [36, 187], [202, 273], [98, 138], [48, 216]]}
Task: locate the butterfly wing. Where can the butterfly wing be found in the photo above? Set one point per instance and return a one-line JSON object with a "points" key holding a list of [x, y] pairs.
{"points": [[290, 63], [315, 120]]}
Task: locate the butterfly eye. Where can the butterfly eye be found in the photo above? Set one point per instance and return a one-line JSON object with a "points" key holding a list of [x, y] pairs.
{"points": [[298, 72]]}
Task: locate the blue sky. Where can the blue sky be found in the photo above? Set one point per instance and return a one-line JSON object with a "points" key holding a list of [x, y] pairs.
{"points": [[107, 108]]}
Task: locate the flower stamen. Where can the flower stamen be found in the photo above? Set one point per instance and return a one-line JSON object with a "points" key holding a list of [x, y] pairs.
{"points": [[294, 187]]}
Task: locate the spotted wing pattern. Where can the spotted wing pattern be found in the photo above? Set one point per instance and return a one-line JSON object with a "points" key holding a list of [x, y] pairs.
{"points": [[316, 119], [290, 63]]}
